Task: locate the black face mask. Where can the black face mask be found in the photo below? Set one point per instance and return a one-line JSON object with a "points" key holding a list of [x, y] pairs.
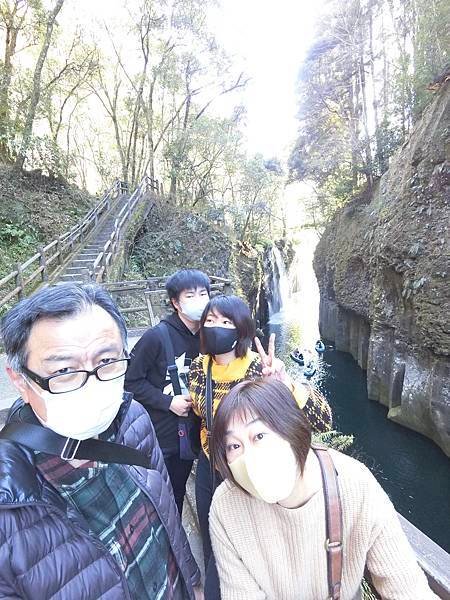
{"points": [[219, 340]]}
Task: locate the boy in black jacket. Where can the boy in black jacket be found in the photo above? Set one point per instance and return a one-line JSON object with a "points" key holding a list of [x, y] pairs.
{"points": [[147, 376]]}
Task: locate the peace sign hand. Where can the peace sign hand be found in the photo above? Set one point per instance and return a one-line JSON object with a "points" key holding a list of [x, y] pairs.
{"points": [[272, 367]]}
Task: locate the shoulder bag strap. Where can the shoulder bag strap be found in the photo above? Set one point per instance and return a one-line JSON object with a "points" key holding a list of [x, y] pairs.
{"points": [[37, 437], [209, 401], [170, 358], [333, 516], [209, 418]]}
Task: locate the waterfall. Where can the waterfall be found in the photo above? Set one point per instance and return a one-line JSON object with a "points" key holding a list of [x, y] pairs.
{"points": [[277, 283], [304, 299]]}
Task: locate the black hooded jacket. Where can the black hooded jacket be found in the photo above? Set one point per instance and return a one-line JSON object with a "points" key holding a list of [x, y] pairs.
{"points": [[146, 376]]}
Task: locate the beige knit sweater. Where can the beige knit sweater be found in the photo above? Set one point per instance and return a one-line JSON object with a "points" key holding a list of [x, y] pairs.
{"points": [[265, 551]]}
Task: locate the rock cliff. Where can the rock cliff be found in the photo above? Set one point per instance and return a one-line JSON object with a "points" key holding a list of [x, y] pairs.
{"points": [[383, 267]]}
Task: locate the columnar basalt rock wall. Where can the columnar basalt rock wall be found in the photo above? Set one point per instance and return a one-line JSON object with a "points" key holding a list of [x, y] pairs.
{"points": [[383, 267]]}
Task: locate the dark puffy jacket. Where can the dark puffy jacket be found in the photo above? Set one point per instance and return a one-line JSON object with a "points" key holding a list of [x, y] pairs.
{"points": [[146, 376], [46, 550]]}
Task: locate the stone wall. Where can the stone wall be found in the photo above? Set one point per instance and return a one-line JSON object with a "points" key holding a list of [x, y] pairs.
{"points": [[383, 267]]}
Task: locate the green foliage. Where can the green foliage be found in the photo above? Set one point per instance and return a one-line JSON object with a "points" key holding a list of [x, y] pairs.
{"points": [[431, 48], [18, 242], [34, 210], [334, 439], [175, 238], [255, 205], [362, 86], [13, 233], [45, 154], [132, 97]]}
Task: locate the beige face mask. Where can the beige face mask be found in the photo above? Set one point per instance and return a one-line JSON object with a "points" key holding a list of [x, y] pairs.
{"points": [[268, 471]]}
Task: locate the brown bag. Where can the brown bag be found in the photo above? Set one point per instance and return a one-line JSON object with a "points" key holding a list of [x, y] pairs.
{"points": [[333, 517]]}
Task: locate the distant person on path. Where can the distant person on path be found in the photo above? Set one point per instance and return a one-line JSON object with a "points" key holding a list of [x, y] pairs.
{"points": [[76, 519], [227, 331], [268, 519], [147, 376]]}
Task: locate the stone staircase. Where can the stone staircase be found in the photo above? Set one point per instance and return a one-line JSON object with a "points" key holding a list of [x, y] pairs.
{"points": [[78, 268]]}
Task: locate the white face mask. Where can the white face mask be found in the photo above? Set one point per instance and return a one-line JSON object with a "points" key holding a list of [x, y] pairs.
{"points": [[83, 413], [193, 307], [268, 472]]}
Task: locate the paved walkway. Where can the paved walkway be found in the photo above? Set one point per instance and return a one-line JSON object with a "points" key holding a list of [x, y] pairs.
{"points": [[8, 392]]}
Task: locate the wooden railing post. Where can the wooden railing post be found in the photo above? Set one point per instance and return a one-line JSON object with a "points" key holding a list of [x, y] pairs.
{"points": [[151, 313], [227, 289], [19, 281], [59, 250], [43, 263], [102, 269]]}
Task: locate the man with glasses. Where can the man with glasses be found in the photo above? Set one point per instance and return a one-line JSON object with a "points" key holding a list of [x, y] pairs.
{"points": [[73, 526]]}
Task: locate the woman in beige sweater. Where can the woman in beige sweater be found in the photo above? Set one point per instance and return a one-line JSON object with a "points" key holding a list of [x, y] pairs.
{"points": [[226, 333], [267, 520]]}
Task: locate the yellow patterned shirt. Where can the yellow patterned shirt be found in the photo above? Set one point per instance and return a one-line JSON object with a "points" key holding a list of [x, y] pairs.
{"points": [[224, 377]]}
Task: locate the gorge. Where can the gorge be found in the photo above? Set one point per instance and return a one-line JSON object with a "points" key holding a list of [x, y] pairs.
{"points": [[383, 268]]}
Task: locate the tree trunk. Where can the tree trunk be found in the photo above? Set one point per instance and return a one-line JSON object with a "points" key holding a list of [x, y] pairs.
{"points": [[151, 144], [36, 91], [379, 146], [173, 186], [353, 132], [368, 150], [12, 28], [249, 215], [368, 167], [385, 73]]}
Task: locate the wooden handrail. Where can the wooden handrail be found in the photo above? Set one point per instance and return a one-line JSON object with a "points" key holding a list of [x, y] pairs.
{"points": [[148, 289], [7, 278], [137, 284], [65, 241], [106, 256]]}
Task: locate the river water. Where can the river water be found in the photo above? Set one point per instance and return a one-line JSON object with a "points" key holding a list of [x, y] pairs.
{"points": [[410, 467]]}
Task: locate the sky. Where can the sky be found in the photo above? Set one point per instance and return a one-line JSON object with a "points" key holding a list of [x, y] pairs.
{"points": [[270, 39]]}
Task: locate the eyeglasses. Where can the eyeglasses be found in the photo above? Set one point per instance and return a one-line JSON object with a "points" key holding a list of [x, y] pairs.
{"points": [[74, 380]]}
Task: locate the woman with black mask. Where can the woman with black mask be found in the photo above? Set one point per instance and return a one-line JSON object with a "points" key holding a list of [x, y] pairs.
{"points": [[226, 334]]}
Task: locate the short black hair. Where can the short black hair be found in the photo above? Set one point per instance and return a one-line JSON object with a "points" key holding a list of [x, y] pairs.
{"points": [[54, 302], [273, 403], [237, 311], [186, 279]]}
